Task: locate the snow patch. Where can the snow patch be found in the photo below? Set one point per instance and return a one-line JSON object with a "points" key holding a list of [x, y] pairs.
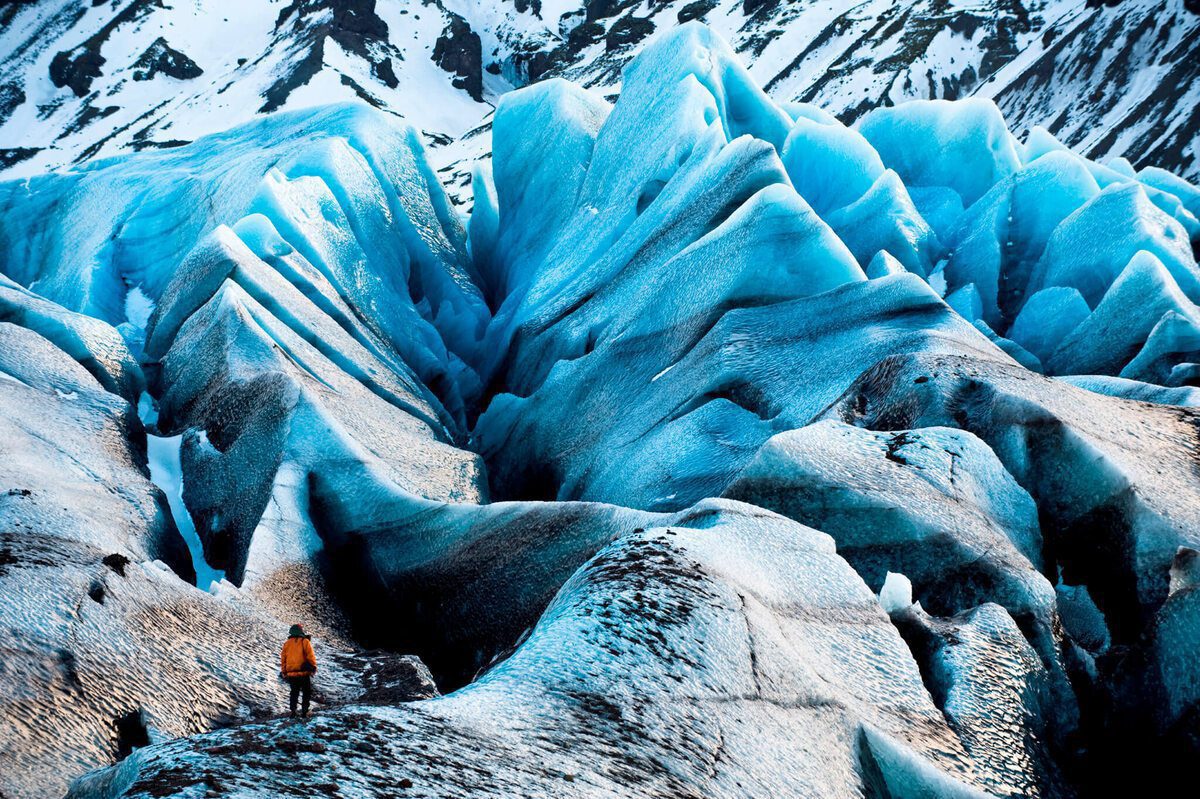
{"points": [[663, 372], [138, 307], [166, 472], [896, 594]]}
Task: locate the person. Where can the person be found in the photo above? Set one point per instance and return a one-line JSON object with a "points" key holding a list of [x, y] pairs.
{"points": [[297, 665]]}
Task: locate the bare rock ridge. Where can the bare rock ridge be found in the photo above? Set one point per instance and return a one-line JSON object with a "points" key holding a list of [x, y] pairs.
{"points": [[1112, 80], [722, 451], [459, 51]]}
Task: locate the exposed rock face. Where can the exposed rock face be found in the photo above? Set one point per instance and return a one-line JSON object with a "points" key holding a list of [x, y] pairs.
{"points": [[308, 25], [626, 31], [76, 70], [444, 65], [459, 52], [161, 58], [79, 66], [11, 96]]}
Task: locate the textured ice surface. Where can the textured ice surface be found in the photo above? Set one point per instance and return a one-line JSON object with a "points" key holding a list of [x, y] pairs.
{"points": [[830, 165], [98, 627], [678, 661], [349, 191], [667, 196], [1176, 632], [995, 692], [747, 374], [295, 389], [94, 345], [932, 504], [496, 447], [1113, 479], [1047, 318], [373, 257], [931, 509], [1044, 246], [1122, 321]]}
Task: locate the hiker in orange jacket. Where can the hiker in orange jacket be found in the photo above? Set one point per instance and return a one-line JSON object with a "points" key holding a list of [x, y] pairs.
{"points": [[297, 665]]}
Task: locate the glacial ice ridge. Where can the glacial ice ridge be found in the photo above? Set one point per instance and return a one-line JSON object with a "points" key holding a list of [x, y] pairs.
{"points": [[626, 457]]}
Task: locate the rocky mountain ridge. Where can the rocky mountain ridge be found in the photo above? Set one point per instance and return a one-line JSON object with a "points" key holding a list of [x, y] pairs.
{"points": [[84, 81]]}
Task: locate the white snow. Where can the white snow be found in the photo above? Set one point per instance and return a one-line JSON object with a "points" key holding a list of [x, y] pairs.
{"points": [[138, 307], [166, 472], [663, 372], [896, 594]]}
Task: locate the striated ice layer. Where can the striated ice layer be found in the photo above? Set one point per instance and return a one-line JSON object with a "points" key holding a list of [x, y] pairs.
{"points": [[635, 460], [350, 192]]}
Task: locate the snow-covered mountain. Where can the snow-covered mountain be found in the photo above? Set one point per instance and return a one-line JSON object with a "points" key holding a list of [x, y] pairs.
{"points": [[723, 450], [83, 80]]}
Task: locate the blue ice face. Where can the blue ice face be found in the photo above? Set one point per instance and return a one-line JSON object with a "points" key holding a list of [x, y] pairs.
{"points": [[706, 384]]}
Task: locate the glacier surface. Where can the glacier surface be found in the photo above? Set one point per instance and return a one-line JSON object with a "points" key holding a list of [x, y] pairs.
{"points": [[725, 450]]}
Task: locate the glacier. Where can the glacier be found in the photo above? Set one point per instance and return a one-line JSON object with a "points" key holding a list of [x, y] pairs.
{"points": [[723, 450]]}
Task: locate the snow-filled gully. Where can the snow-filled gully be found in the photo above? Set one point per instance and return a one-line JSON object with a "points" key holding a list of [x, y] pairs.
{"points": [[162, 452]]}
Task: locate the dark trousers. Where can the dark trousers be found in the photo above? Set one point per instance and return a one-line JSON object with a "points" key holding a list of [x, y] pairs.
{"points": [[301, 687]]}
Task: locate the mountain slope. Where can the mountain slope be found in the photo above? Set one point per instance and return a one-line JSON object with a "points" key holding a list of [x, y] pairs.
{"points": [[82, 81]]}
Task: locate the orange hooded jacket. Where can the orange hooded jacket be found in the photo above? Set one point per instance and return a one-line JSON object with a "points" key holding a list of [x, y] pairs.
{"points": [[297, 658]]}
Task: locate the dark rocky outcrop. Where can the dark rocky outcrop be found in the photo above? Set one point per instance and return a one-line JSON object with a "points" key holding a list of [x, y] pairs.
{"points": [[459, 52], [161, 58], [76, 69], [353, 25], [696, 10], [11, 96], [627, 31]]}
